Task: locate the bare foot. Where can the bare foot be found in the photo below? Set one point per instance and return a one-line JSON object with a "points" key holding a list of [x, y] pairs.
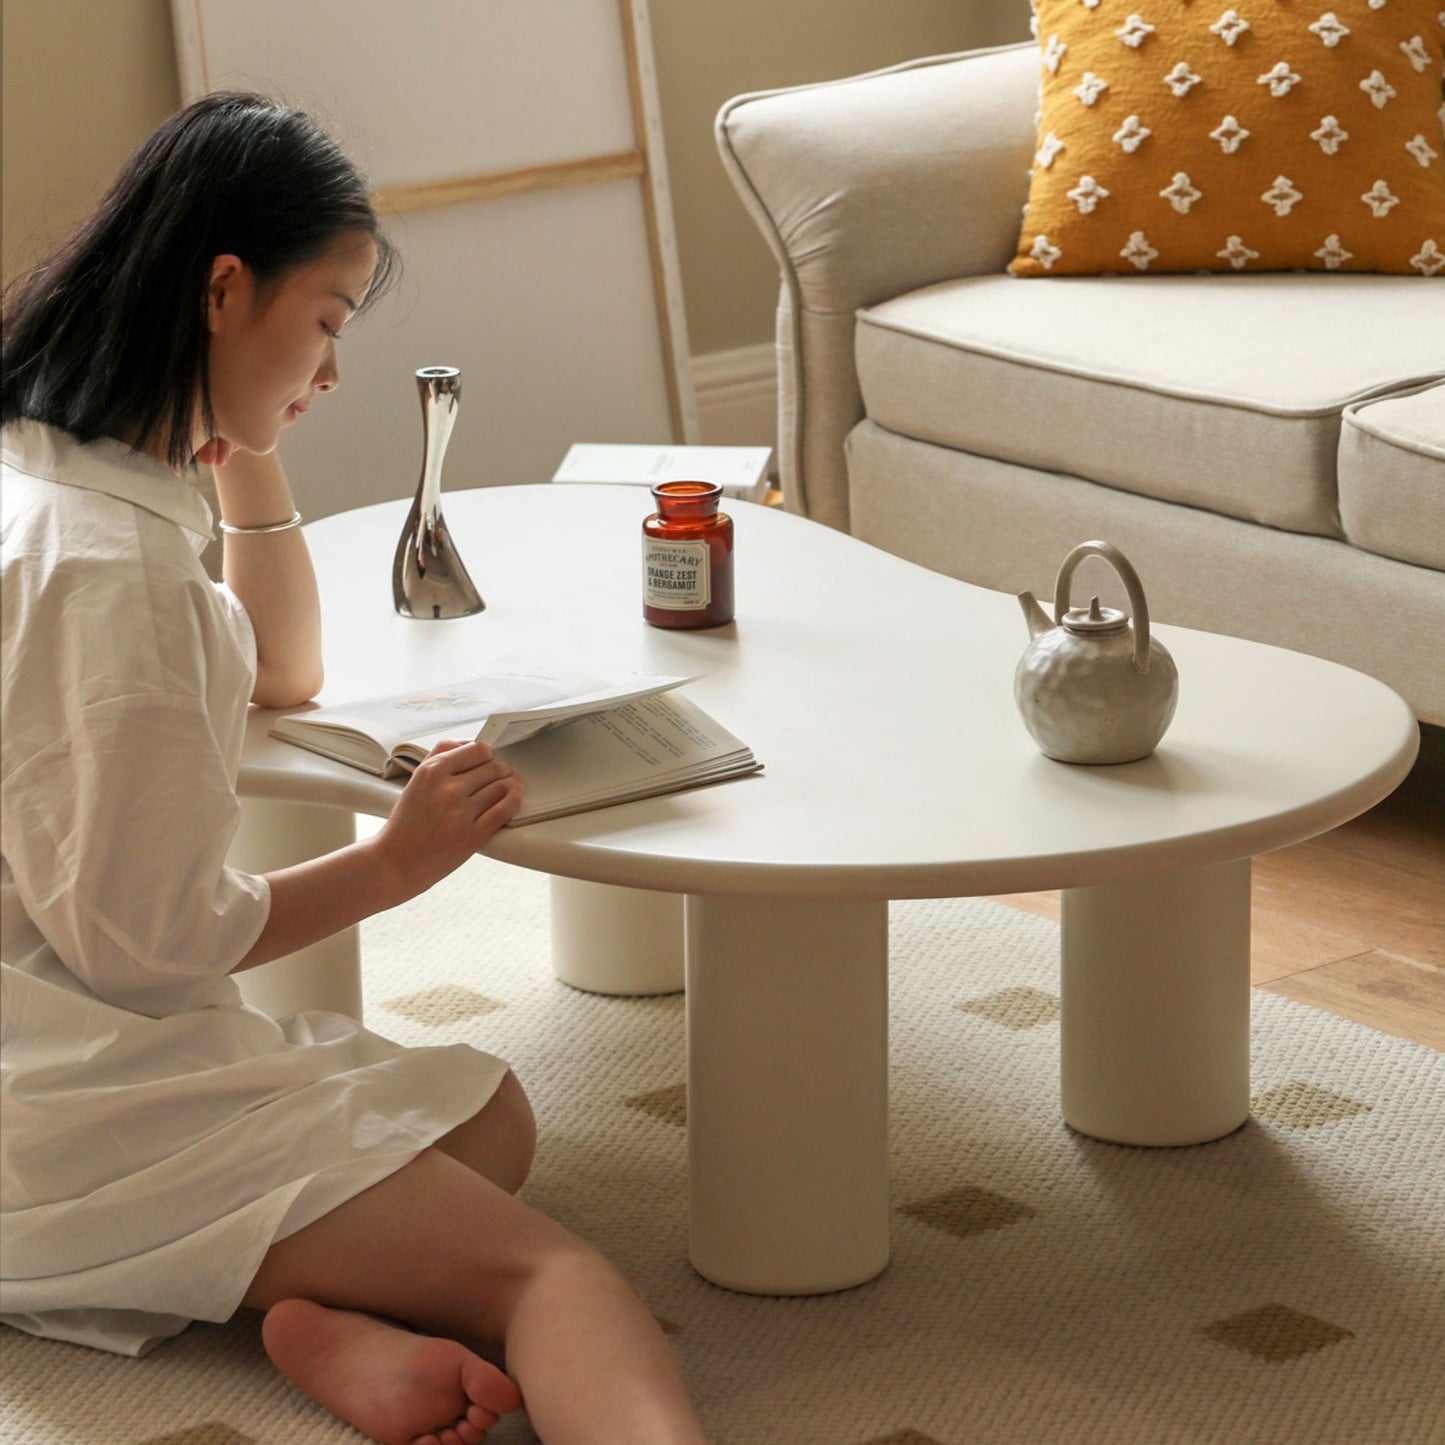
{"points": [[396, 1387]]}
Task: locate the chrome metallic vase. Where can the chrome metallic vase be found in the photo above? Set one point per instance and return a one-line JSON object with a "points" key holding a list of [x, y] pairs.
{"points": [[428, 578]]}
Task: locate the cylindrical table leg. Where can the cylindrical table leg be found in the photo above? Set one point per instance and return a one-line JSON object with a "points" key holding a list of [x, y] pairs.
{"points": [[327, 975], [787, 1079], [616, 940], [1154, 1032]]}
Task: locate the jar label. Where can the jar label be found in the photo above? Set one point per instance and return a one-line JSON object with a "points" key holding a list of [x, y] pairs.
{"points": [[676, 575]]}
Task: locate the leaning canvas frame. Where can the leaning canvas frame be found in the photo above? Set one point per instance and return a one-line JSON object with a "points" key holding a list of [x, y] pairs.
{"points": [[516, 151]]}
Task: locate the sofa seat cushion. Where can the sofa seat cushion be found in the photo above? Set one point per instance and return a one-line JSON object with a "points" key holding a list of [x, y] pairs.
{"points": [[1392, 476], [1222, 392]]}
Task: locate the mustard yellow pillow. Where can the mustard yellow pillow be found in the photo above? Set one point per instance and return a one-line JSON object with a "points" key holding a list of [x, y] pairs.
{"points": [[1187, 135]]}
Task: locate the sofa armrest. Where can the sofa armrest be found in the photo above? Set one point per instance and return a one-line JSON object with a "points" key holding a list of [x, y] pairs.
{"points": [[867, 188]]}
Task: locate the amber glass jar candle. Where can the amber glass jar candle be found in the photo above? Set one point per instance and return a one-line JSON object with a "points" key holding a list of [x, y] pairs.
{"points": [[687, 557]]}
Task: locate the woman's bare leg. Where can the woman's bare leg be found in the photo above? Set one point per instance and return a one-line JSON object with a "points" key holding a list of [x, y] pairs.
{"points": [[327, 1351], [499, 1141], [444, 1249]]}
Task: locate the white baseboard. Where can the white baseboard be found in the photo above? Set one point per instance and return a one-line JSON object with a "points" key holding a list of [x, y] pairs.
{"points": [[737, 397]]}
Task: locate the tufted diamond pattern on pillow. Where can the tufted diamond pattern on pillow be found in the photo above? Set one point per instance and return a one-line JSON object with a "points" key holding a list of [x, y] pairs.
{"points": [[1267, 135]]}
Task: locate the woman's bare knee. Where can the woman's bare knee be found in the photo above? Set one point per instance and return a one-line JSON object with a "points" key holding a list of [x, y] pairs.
{"points": [[499, 1140]]}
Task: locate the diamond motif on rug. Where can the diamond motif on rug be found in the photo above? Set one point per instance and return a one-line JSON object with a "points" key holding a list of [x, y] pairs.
{"points": [[1275, 1332], [669, 1104], [968, 1211], [1303, 1106], [211, 1432], [447, 1003], [1014, 1008]]}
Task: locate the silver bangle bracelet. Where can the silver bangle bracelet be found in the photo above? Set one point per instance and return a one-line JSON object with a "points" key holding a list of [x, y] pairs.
{"points": [[293, 521]]}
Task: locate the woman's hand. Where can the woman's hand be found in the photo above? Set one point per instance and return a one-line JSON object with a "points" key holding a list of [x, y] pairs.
{"points": [[215, 452], [451, 805]]}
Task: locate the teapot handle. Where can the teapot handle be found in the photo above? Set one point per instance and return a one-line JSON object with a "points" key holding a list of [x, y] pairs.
{"points": [[1127, 575]]}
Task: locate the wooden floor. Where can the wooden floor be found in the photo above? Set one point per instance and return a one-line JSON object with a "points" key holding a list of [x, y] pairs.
{"points": [[1354, 921]]}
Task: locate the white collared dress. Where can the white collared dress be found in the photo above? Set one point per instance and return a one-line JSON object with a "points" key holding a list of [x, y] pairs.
{"points": [[156, 1134]]}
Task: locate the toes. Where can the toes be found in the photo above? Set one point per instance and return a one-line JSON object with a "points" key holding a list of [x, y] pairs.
{"points": [[487, 1386], [470, 1434], [481, 1417]]}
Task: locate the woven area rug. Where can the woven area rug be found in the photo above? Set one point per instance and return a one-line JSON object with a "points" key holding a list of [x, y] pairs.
{"points": [[1286, 1284]]}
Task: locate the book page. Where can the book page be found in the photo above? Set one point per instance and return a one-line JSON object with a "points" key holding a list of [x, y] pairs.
{"points": [[503, 729], [426, 716], [643, 746]]}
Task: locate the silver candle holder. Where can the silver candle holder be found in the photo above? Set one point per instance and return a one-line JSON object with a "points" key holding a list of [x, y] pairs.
{"points": [[428, 577]]}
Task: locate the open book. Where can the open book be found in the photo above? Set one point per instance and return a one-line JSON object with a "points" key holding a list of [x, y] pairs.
{"points": [[578, 742]]}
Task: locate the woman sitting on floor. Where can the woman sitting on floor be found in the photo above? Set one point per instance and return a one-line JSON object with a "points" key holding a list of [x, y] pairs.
{"points": [[168, 1154]]}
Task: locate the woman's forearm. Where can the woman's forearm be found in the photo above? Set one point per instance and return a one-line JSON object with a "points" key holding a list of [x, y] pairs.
{"points": [[313, 900], [271, 574], [449, 809]]}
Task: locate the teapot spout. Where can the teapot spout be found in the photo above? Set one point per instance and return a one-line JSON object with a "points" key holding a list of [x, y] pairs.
{"points": [[1034, 615]]}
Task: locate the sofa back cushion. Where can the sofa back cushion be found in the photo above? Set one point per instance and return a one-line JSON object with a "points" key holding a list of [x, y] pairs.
{"points": [[1277, 135]]}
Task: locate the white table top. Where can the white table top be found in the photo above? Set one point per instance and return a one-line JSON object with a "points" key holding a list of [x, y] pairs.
{"points": [[878, 695]]}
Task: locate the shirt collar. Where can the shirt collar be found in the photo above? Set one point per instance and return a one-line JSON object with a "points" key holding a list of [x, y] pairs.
{"points": [[108, 466]]}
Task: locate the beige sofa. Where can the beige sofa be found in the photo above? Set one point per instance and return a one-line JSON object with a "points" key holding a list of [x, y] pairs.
{"points": [[1269, 450]]}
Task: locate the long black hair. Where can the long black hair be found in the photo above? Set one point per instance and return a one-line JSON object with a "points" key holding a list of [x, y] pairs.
{"points": [[109, 335]]}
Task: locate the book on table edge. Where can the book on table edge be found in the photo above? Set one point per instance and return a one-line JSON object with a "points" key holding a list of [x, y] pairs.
{"points": [[742, 472], [578, 742]]}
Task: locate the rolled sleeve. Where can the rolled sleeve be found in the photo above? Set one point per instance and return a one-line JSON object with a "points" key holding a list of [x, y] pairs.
{"points": [[117, 836]]}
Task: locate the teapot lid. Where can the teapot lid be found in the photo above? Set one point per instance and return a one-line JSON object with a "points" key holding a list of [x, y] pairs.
{"points": [[1094, 619]]}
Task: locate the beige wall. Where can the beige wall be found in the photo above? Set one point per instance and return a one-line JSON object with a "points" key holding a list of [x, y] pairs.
{"points": [[84, 84], [86, 80], [711, 50]]}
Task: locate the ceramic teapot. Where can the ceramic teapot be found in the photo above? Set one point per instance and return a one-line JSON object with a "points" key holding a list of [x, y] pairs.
{"points": [[1093, 687]]}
